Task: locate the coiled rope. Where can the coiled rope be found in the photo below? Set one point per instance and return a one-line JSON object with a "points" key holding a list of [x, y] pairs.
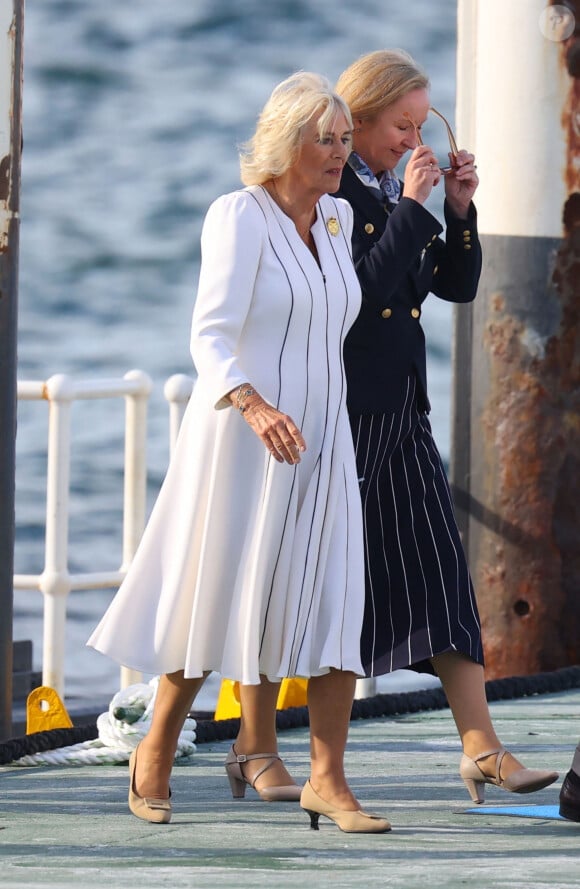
{"points": [[112, 739], [115, 735]]}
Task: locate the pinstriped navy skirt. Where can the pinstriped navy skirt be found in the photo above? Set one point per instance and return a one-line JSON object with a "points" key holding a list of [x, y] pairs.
{"points": [[419, 595]]}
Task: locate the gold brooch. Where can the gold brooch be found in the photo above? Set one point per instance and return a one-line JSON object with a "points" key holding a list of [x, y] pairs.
{"points": [[333, 226]]}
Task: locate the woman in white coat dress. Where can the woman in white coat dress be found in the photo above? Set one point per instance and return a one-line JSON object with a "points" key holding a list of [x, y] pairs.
{"points": [[252, 562]]}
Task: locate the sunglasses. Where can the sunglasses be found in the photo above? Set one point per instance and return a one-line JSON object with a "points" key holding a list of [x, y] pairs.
{"points": [[445, 168]]}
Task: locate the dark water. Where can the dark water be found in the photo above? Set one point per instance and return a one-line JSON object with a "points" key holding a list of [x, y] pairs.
{"points": [[132, 114]]}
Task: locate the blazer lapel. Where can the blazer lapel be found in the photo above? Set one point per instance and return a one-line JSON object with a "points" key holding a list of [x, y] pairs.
{"points": [[367, 208], [362, 201]]}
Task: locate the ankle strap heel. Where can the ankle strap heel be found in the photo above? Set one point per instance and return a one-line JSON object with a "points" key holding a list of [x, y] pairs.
{"points": [[238, 781], [476, 789], [520, 781]]}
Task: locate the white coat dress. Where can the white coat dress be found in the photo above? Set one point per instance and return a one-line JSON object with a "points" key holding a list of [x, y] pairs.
{"points": [[248, 566]]}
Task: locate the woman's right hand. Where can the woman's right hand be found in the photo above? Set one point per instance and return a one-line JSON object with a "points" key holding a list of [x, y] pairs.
{"points": [[277, 430], [421, 174]]}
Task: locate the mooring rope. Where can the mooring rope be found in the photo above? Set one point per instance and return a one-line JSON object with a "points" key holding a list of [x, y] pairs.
{"points": [[113, 737]]}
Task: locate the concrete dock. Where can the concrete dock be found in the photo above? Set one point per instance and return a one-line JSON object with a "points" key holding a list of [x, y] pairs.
{"points": [[69, 825]]}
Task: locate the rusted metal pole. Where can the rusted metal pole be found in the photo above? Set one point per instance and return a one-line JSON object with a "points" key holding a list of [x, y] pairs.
{"points": [[516, 414], [11, 26]]}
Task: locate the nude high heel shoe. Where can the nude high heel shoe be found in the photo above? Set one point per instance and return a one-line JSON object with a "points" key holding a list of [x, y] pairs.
{"points": [[349, 822], [521, 781], [289, 793], [157, 811]]}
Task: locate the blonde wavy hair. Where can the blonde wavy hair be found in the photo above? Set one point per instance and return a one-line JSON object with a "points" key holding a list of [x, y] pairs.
{"points": [[377, 80], [275, 145]]}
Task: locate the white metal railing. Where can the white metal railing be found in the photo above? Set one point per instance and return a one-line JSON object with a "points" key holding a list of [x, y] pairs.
{"points": [[56, 582], [177, 391]]}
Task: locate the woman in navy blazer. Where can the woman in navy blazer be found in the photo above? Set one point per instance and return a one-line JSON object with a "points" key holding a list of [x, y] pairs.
{"points": [[400, 258], [420, 609]]}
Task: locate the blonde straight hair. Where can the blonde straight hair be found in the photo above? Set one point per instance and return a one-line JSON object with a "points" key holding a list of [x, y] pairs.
{"points": [[377, 80], [275, 145]]}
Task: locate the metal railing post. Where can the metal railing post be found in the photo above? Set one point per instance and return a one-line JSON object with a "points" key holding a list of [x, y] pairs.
{"points": [[55, 581], [177, 391], [135, 482]]}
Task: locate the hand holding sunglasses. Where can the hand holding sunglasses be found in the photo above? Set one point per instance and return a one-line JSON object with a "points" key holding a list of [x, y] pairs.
{"points": [[454, 151]]}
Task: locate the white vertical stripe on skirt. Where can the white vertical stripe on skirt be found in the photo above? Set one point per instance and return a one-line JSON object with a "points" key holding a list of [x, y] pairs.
{"points": [[419, 596]]}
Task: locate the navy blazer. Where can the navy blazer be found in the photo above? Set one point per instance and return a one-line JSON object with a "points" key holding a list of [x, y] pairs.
{"points": [[400, 259]]}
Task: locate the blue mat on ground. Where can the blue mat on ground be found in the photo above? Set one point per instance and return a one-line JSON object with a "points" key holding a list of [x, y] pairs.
{"points": [[519, 811]]}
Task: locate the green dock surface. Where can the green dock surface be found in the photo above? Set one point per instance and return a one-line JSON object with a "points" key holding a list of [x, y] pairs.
{"points": [[69, 825]]}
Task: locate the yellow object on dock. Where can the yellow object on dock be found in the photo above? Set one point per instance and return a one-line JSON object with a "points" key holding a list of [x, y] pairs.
{"points": [[292, 694], [45, 711]]}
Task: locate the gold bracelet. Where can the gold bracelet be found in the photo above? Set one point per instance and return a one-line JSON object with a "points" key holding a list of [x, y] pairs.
{"points": [[241, 395]]}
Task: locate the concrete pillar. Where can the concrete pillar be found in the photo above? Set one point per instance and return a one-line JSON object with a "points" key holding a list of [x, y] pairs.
{"points": [[515, 465]]}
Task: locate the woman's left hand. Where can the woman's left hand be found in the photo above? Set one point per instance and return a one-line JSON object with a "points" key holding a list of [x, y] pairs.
{"points": [[461, 183]]}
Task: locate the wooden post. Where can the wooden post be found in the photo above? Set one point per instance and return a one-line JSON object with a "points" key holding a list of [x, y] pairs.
{"points": [[515, 466], [11, 25]]}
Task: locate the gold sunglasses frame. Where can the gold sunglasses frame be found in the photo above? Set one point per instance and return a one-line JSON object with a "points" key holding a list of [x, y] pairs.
{"points": [[450, 135]]}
